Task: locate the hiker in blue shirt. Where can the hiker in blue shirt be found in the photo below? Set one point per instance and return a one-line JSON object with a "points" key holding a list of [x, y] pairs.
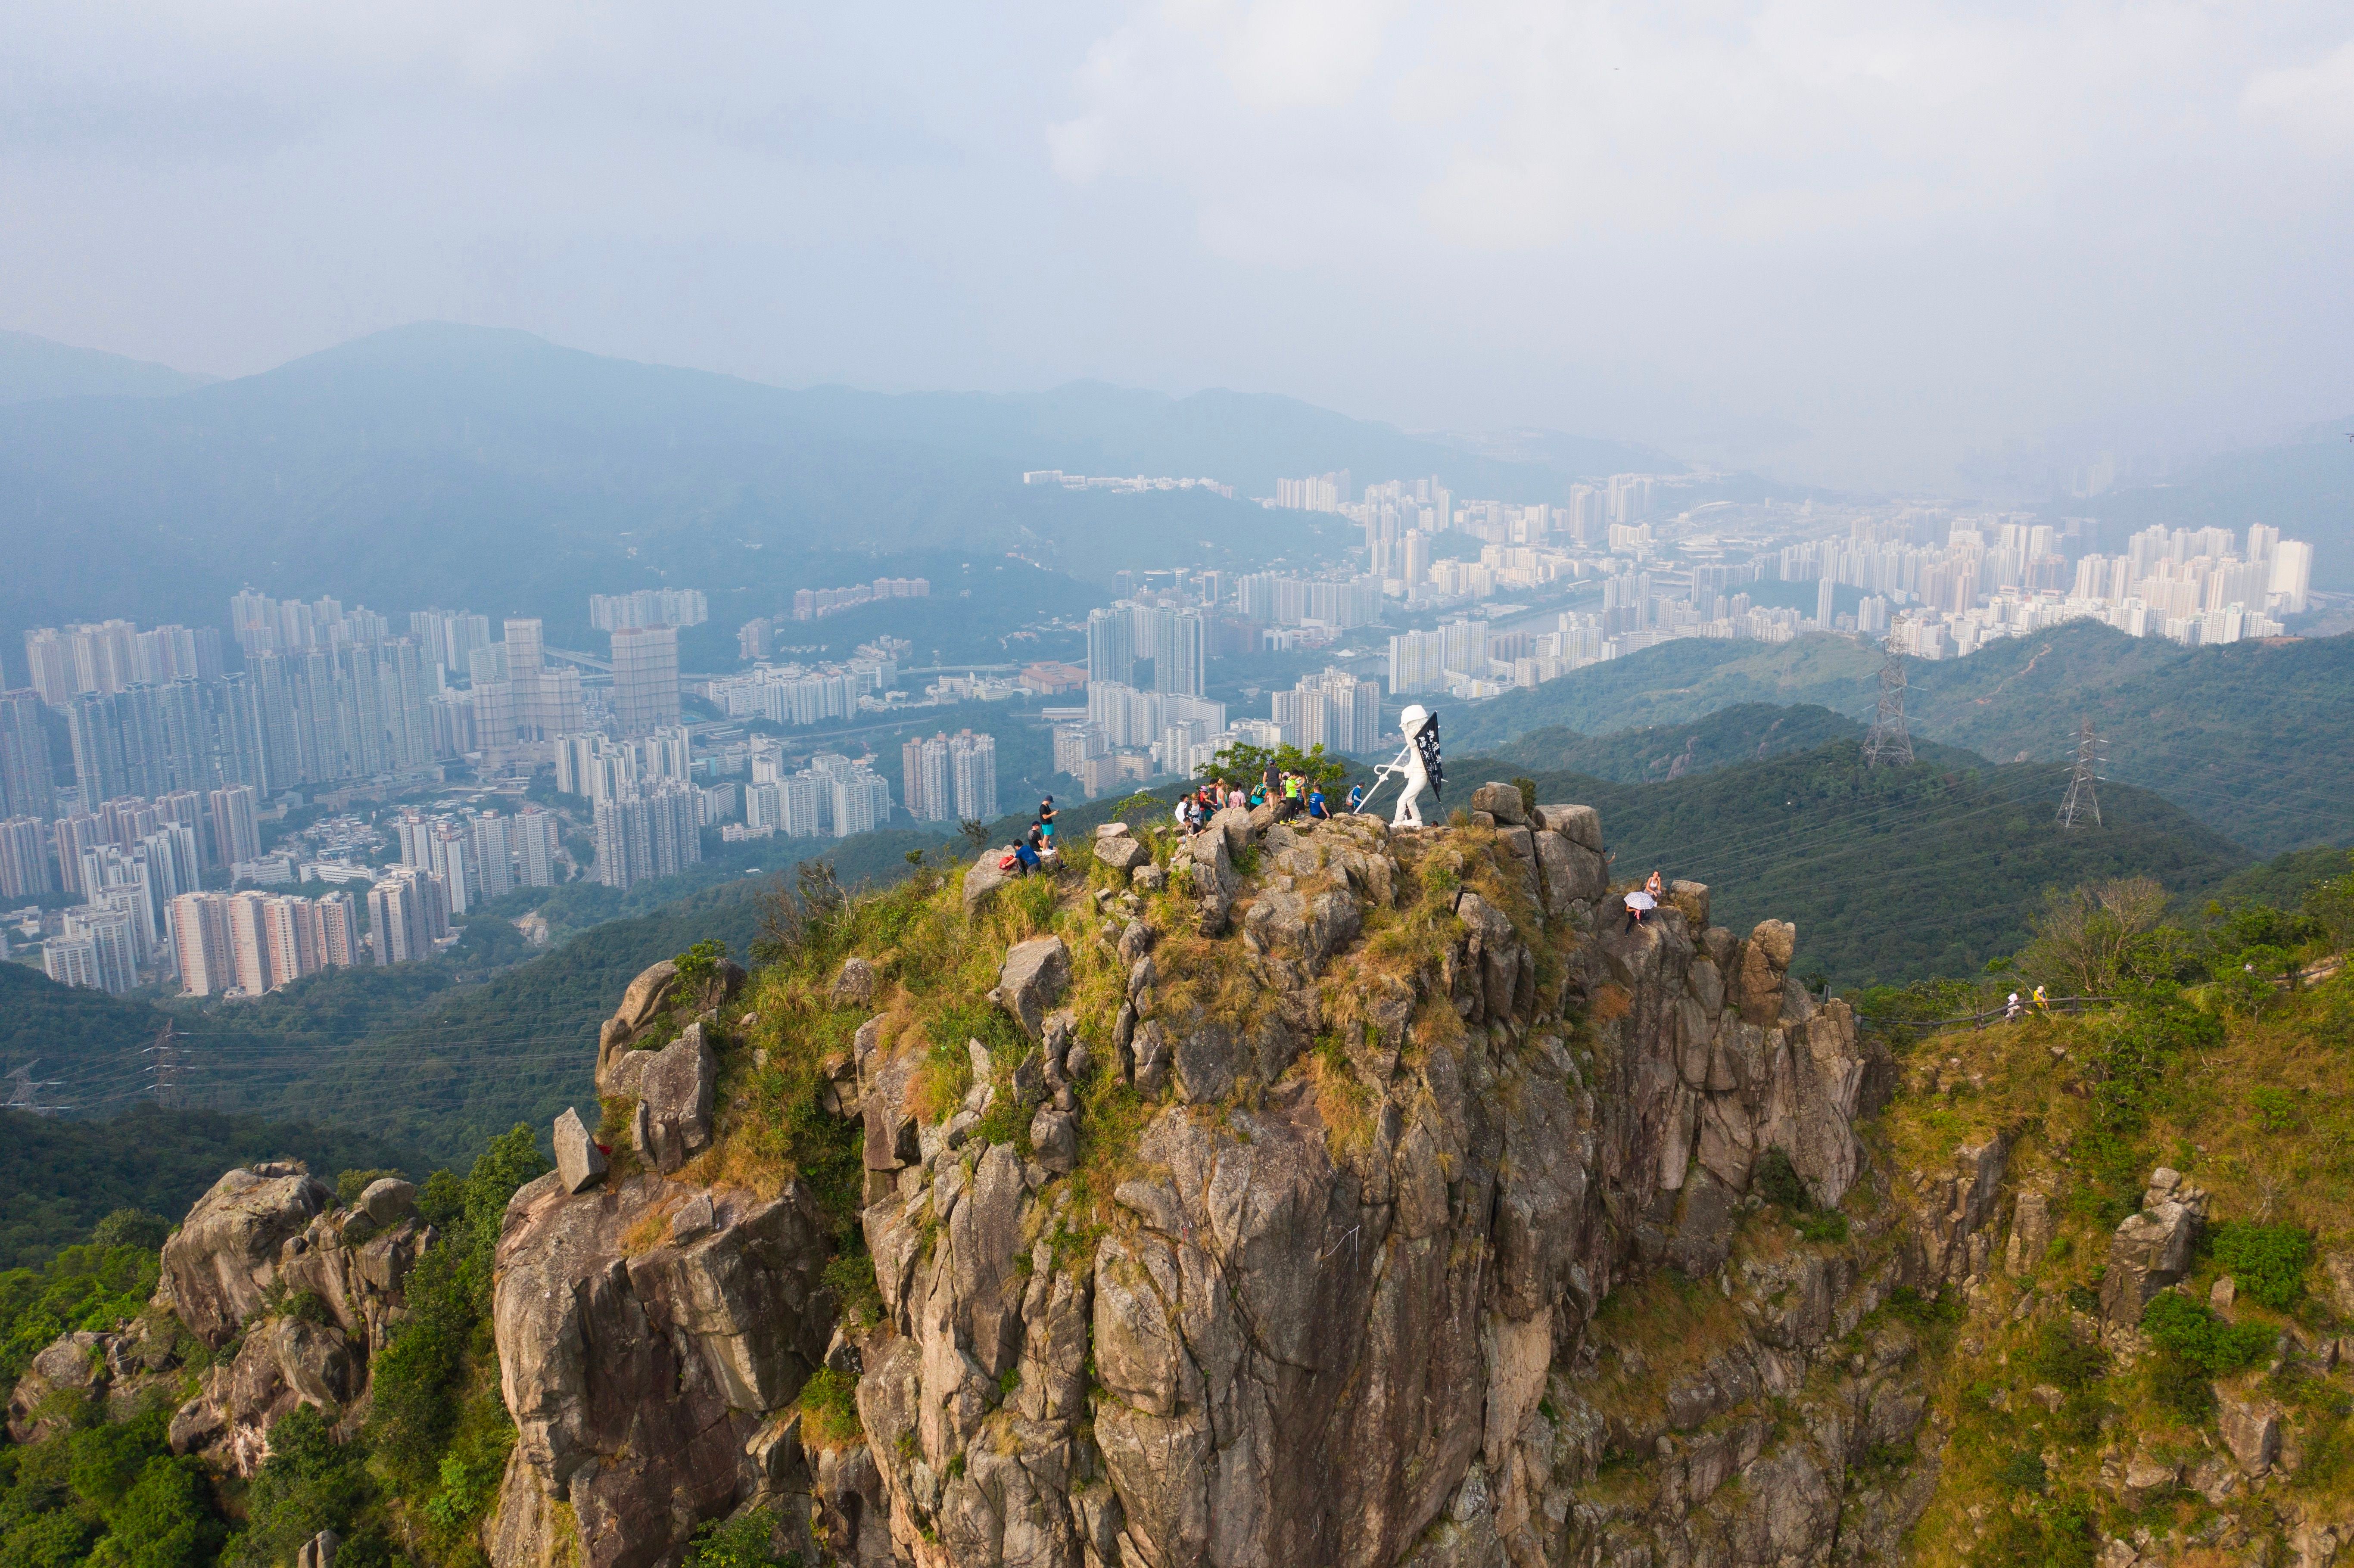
{"points": [[1316, 809]]}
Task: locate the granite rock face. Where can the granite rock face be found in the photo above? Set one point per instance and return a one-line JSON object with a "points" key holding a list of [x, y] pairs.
{"points": [[640, 1377], [1340, 1305], [223, 1259], [308, 1290]]}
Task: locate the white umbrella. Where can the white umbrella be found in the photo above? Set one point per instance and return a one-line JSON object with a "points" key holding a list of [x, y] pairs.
{"points": [[1639, 899]]}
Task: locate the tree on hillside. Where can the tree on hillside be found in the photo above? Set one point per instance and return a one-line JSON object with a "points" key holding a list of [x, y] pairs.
{"points": [[2084, 936]]}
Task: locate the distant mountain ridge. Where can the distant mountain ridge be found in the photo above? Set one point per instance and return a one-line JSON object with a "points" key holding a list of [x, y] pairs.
{"points": [[35, 368], [2255, 739], [389, 468]]}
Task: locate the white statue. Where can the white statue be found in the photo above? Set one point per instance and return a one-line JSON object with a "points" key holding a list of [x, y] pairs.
{"points": [[1420, 728]]}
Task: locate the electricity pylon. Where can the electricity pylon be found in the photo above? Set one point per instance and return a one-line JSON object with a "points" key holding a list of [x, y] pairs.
{"points": [[2083, 800], [1890, 743]]}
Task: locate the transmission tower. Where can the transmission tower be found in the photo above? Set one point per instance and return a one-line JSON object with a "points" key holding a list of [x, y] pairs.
{"points": [[1890, 743], [2083, 800], [166, 1052]]}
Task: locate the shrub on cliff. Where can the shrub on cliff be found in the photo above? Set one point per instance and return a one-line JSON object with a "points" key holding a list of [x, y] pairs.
{"points": [[435, 1424]]}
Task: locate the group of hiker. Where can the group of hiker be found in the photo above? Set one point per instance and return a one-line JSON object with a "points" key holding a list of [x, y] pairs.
{"points": [[1294, 794], [1034, 850]]}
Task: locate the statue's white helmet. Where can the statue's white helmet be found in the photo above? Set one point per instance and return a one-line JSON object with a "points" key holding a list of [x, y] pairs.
{"points": [[1410, 722]]}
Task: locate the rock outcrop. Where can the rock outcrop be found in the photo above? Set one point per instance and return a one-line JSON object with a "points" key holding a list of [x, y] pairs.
{"points": [[2152, 1249], [642, 1377], [1408, 1112], [307, 1290]]}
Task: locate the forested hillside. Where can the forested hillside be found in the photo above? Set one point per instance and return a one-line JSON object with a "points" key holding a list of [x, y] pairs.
{"points": [[2255, 739], [1889, 874], [62, 1175], [1746, 732]]}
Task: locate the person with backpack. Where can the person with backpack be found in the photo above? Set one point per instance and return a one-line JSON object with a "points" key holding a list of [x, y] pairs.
{"points": [[1356, 799]]}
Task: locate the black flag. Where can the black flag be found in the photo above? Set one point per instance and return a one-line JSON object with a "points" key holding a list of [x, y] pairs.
{"points": [[1427, 742]]}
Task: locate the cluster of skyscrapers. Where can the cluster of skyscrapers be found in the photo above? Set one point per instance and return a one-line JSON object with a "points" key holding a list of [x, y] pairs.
{"points": [[478, 855], [647, 607], [832, 798], [811, 603], [950, 777]]}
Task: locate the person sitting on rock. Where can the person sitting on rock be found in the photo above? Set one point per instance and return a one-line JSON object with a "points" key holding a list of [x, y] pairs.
{"points": [[1317, 809], [1656, 887], [1025, 859]]}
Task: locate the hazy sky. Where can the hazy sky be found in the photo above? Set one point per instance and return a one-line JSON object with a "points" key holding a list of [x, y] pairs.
{"points": [[1847, 240]]}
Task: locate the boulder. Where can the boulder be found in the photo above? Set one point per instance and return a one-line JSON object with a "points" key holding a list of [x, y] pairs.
{"points": [[1501, 801], [1215, 883], [2152, 1250], [1033, 980], [982, 877], [854, 986], [73, 1366], [1581, 825], [645, 996], [1307, 927], [1053, 1140], [2337, 1270], [2250, 1426], [388, 1199], [319, 1551], [1569, 872], [579, 1163], [674, 1094], [218, 1265], [1122, 852]]}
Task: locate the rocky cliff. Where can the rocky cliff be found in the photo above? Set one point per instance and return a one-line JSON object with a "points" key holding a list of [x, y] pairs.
{"points": [[1280, 1220], [1315, 1194]]}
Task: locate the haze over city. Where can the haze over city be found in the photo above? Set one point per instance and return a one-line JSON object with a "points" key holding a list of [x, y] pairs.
{"points": [[1262, 783], [1842, 244]]}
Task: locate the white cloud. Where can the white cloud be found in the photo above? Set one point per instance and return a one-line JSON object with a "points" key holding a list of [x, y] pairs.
{"points": [[2315, 101]]}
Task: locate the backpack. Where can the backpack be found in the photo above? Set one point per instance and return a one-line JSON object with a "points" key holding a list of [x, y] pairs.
{"points": [[1008, 861]]}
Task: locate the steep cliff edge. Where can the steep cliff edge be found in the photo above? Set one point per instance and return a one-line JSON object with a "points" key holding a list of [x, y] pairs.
{"points": [[1259, 1198]]}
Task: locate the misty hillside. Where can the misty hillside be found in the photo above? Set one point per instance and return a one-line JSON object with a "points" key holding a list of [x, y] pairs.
{"points": [[2304, 487], [2255, 739], [432, 463], [32, 368]]}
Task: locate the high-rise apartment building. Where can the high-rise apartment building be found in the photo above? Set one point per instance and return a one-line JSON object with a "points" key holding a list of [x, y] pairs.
{"points": [[648, 832], [236, 824], [535, 846], [649, 607], [972, 775], [493, 855], [409, 911], [111, 943], [200, 943], [24, 858], [645, 678], [25, 787], [1332, 709], [926, 783], [72, 959]]}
